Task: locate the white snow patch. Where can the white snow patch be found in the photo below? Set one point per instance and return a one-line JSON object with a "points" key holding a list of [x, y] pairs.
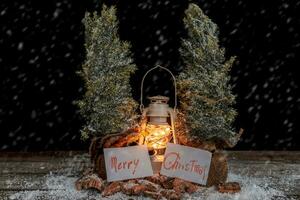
{"points": [[252, 188], [56, 187], [62, 187]]}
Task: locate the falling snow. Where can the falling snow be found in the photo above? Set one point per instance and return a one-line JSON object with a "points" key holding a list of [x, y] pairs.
{"points": [[42, 49]]}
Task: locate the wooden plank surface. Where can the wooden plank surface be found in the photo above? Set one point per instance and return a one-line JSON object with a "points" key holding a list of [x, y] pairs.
{"points": [[28, 171]]}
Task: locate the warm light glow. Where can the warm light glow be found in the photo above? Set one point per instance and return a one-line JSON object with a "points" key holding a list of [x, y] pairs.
{"points": [[157, 136]]}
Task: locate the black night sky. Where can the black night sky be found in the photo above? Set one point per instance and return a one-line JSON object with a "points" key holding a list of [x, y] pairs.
{"points": [[42, 48]]}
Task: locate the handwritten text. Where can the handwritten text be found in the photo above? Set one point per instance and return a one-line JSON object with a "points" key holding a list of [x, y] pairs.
{"points": [[125, 165], [172, 162]]}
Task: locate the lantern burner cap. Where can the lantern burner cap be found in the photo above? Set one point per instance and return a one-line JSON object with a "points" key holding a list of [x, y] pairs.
{"points": [[159, 99]]}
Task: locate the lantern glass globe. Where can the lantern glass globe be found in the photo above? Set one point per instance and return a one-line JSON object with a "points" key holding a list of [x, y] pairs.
{"points": [[157, 136]]}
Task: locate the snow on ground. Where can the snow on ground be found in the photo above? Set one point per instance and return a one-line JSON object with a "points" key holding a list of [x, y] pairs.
{"points": [[61, 187]]}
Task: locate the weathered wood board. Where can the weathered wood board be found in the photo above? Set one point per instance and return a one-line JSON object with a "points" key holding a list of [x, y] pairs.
{"points": [[27, 171]]}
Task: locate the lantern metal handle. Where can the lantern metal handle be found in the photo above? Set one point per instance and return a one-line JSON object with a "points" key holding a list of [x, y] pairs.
{"points": [[174, 82]]}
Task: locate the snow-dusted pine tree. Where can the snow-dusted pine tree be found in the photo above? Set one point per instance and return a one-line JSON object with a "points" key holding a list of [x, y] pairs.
{"points": [[107, 105], [204, 90]]}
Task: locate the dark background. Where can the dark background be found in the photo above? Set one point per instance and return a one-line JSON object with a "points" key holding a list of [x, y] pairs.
{"points": [[41, 48]]}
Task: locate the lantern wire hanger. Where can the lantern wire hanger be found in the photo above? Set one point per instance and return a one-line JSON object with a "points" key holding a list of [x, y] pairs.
{"points": [[174, 82], [157, 112]]}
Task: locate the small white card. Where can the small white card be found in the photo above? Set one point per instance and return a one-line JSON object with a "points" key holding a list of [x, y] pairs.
{"points": [[188, 163], [127, 163]]}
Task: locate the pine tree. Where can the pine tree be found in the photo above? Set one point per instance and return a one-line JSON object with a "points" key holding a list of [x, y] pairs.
{"points": [[204, 90], [107, 105]]}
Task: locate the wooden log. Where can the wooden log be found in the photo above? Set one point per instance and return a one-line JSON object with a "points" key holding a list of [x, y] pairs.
{"points": [[99, 166], [218, 171]]}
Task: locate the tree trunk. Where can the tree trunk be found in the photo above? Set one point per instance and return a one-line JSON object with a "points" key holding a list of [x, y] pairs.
{"points": [[218, 171]]}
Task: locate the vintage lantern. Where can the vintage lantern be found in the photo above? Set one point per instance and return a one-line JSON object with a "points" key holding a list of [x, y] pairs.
{"points": [[157, 126]]}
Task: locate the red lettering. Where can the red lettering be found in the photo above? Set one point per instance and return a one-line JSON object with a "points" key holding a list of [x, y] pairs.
{"points": [[193, 164], [119, 166], [125, 165], [136, 163], [129, 163], [187, 167], [113, 161], [171, 160]]}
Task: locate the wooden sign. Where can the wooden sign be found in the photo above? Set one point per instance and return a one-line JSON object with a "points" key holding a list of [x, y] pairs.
{"points": [[127, 163], [187, 163]]}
